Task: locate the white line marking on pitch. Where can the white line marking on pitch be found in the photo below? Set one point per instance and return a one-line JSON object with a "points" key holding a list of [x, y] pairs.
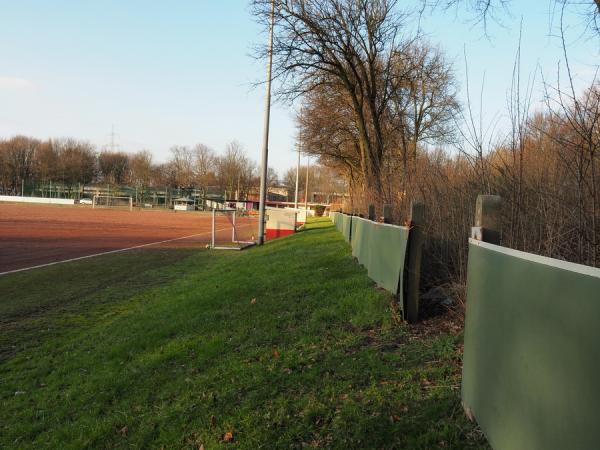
{"points": [[119, 250]]}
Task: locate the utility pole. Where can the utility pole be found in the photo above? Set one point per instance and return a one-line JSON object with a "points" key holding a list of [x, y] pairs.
{"points": [[297, 178], [265, 149], [298, 163], [306, 191]]}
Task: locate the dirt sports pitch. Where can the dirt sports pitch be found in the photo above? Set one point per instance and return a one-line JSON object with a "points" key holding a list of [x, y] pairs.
{"points": [[33, 235]]}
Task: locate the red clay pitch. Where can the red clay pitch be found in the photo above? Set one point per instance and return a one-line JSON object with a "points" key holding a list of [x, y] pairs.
{"points": [[32, 235]]}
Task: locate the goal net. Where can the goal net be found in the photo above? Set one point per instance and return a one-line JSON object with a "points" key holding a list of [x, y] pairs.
{"points": [[232, 230], [109, 201]]}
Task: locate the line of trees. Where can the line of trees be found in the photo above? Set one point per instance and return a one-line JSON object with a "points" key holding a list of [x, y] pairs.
{"points": [[28, 162], [71, 162]]}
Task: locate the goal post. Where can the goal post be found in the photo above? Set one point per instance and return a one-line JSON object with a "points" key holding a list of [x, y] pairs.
{"points": [[227, 231], [111, 201]]}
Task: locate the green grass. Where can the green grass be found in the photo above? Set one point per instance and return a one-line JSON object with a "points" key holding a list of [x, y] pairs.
{"points": [[165, 348]]}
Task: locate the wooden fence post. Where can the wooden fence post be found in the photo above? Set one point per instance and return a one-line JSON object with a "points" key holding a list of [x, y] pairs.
{"points": [[414, 256], [371, 213], [487, 219]]}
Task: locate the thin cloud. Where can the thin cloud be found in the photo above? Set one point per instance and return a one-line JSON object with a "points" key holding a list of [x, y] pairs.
{"points": [[14, 83]]}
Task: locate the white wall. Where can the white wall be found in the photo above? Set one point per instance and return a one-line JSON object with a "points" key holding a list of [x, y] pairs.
{"points": [[55, 201]]}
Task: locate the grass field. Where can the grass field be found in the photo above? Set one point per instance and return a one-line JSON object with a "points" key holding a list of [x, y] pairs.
{"points": [[284, 346]]}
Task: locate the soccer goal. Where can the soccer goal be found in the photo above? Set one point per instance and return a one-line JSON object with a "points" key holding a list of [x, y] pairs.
{"points": [[230, 230], [110, 201]]}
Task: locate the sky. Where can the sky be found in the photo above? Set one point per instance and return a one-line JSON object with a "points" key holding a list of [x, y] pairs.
{"points": [[181, 72]]}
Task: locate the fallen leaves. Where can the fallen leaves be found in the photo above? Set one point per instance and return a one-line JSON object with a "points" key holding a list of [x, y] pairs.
{"points": [[253, 301], [228, 436], [396, 417], [124, 431]]}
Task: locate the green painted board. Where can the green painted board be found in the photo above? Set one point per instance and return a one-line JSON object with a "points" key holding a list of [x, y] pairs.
{"points": [[336, 218], [532, 350], [387, 254], [381, 248], [346, 226], [360, 240]]}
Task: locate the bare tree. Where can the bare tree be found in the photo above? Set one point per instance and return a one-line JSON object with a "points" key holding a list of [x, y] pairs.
{"points": [[163, 175], [140, 166], [114, 166], [328, 130], [322, 179], [204, 165], [420, 110], [423, 107], [77, 162], [47, 162], [182, 165], [235, 171], [272, 177], [345, 44], [17, 163]]}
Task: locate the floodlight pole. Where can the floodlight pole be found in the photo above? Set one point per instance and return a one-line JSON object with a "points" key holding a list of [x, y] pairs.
{"points": [[265, 149], [297, 178], [306, 192], [212, 237], [298, 163]]}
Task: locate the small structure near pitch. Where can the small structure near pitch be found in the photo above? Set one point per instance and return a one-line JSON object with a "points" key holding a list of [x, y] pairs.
{"points": [[280, 222], [184, 204]]}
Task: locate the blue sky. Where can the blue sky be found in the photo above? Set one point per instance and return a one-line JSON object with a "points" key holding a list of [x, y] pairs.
{"points": [[179, 72]]}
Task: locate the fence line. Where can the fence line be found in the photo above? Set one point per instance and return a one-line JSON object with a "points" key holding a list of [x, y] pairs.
{"points": [[383, 250]]}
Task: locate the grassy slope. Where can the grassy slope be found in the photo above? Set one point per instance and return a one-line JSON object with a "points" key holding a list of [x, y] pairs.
{"points": [[166, 348]]}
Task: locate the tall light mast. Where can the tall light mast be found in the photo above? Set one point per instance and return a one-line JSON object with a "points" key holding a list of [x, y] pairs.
{"points": [[306, 191], [265, 148], [297, 178]]}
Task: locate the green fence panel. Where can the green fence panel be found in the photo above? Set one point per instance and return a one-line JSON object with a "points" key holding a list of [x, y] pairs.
{"points": [[360, 240], [338, 221], [387, 253], [381, 249], [532, 350], [333, 218], [346, 227]]}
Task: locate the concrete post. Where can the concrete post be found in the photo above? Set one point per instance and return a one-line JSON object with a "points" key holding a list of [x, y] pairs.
{"points": [[486, 229], [371, 213], [487, 219], [414, 257], [387, 213]]}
